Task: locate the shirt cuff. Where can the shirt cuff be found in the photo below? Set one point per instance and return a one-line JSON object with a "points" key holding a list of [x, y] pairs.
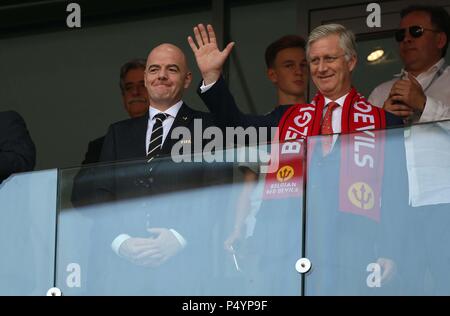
{"points": [[204, 88], [432, 111], [180, 238], [118, 241]]}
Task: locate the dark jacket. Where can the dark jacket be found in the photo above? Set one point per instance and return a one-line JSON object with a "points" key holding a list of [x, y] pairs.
{"points": [[17, 150]]}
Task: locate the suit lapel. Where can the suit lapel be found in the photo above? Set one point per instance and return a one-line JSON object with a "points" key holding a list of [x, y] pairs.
{"points": [[138, 137], [183, 118]]}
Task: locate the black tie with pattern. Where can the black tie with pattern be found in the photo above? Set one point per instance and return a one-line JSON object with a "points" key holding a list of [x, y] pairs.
{"points": [[156, 138]]}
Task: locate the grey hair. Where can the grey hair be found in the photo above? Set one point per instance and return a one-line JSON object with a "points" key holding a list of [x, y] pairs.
{"points": [[129, 65], [346, 38]]}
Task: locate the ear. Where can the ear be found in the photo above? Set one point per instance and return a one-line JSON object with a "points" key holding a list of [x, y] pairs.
{"points": [[187, 79], [352, 63], [272, 75], [442, 40]]}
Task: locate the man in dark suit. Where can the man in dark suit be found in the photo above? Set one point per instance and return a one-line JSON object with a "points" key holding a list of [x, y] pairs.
{"points": [[135, 102], [144, 227], [331, 53], [17, 150], [134, 97]]}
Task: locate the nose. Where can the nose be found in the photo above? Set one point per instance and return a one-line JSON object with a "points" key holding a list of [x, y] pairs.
{"points": [[322, 66], [135, 90], [162, 74], [408, 37]]}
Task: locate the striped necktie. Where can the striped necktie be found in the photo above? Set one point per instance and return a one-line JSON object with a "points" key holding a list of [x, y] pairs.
{"points": [[156, 138]]}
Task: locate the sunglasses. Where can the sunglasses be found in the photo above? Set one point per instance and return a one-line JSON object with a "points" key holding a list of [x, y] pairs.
{"points": [[415, 31]]}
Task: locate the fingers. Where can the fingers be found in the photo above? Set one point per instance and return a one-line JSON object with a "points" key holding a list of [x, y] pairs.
{"points": [[404, 114], [414, 80], [198, 37], [153, 253], [401, 87], [192, 44], [211, 34], [204, 34], [228, 49]]}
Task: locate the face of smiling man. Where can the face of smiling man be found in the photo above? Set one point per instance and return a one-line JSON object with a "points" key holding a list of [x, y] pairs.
{"points": [[329, 67], [166, 76]]}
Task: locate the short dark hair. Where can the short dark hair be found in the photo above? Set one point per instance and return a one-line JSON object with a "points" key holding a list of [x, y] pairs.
{"points": [[439, 18], [129, 65], [287, 41]]}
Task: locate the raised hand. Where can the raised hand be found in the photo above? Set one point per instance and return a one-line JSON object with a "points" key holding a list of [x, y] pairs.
{"points": [[209, 58]]}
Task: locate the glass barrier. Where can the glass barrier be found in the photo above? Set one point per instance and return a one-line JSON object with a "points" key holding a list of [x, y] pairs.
{"points": [[215, 227], [378, 212], [27, 233]]}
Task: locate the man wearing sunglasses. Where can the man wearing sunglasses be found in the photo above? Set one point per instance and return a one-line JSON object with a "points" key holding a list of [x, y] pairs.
{"points": [[420, 92]]}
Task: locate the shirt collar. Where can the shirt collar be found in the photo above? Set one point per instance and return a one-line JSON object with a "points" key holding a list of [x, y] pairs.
{"points": [[172, 111], [431, 70], [339, 101]]}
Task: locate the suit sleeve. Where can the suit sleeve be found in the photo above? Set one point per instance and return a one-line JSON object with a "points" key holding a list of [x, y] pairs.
{"points": [[105, 186], [393, 120], [226, 113], [17, 150]]}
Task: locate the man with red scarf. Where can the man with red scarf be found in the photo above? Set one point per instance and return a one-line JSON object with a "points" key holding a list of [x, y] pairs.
{"points": [[336, 108]]}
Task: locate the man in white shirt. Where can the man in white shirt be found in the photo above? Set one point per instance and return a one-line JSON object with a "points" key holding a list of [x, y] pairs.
{"points": [[420, 92]]}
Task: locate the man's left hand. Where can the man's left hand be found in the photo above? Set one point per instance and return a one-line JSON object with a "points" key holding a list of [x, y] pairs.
{"points": [[163, 246], [410, 93]]}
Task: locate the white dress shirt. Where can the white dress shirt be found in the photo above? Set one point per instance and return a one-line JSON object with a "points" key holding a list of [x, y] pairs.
{"points": [[427, 149], [436, 89], [167, 123]]}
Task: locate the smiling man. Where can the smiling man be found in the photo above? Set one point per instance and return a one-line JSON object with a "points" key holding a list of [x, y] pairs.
{"points": [[420, 92], [331, 52], [134, 99], [166, 78], [337, 108]]}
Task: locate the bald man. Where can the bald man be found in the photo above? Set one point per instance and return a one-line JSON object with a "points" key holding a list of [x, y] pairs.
{"points": [[166, 78], [147, 233]]}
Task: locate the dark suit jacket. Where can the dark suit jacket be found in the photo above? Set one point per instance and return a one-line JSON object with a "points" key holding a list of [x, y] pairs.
{"points": [[222, 105], [17, 150], [125, 141], [157, 194], [83, 182], [94, 151]]}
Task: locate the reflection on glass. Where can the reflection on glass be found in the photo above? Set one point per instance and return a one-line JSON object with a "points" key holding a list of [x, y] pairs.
{"points": [[377, 216], [160, 229]]}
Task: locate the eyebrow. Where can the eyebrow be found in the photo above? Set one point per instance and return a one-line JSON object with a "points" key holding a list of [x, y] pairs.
{"points": [[159, 66]]}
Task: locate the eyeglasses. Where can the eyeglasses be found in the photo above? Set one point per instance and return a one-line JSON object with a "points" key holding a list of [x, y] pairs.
{"points": [[326, 59], [415, 31]]}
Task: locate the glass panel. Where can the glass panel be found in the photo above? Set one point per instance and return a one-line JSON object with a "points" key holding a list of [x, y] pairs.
{"points": [[113, 237], [27, 233], [93, 57], [380, 71], [252, 89], [378, 212]]}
